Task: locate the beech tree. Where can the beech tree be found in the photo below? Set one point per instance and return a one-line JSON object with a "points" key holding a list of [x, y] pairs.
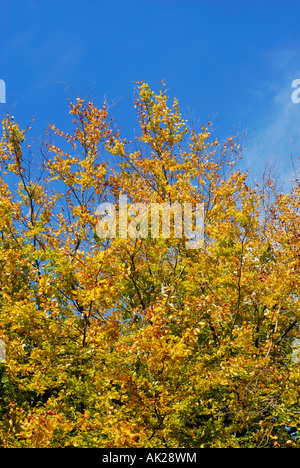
{"points": [[141, 342]]}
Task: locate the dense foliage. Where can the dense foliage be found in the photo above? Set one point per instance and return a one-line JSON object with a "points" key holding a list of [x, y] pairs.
{"points": [[143, 342]]}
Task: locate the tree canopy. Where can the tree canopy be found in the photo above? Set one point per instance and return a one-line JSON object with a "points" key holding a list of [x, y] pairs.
{"points": [[122, 342]]}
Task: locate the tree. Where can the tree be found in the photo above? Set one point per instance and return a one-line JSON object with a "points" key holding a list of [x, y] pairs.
{"points": [[141, 342]]}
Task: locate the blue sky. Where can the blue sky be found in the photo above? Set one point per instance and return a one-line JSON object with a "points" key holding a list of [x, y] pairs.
{"points": [[232, 62]]}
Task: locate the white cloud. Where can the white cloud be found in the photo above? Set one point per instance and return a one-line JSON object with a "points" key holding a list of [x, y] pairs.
{"points": [[275, 137]]}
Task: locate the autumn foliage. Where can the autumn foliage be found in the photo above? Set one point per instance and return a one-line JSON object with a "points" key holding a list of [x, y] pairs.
{"points": [[142, 342]]}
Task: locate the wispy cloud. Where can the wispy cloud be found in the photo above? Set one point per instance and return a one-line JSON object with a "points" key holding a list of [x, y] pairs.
{"points": [[275, 137]]}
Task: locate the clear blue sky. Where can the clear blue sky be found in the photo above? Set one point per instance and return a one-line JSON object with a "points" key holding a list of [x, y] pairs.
{"points": [[231, 62]]}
